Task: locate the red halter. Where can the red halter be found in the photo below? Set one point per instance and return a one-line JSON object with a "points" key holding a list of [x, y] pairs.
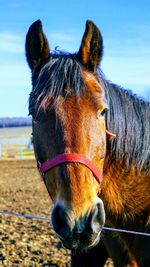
{"points": [[69, 158], [72, 158]]}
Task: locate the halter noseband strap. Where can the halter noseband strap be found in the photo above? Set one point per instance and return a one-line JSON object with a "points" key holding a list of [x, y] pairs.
{"points": [[72, 158], [69, 158]]}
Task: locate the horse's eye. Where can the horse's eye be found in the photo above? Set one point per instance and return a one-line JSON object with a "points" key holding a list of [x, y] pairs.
{"points": [[38, 117], [102, 113]]}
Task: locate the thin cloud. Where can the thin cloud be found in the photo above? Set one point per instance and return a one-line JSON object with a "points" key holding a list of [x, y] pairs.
{"points": [[128, 73], [13, 75], [66, 37], [139, 30], [66, 41], [127, 48], [11, 43], [126, 59], [133, 41]]}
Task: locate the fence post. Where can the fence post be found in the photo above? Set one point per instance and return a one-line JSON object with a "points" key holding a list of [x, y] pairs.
{"points": [[21, 152]]}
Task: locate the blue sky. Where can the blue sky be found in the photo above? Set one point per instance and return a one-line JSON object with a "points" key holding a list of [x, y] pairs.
{"points": [[125, 26]]}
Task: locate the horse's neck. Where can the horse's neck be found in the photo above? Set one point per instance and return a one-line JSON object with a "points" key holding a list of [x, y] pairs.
{"points": [[125, 191]]}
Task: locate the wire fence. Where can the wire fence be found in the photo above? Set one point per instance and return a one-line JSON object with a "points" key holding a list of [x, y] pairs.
{"points": [[26, 216], [13, 151]]}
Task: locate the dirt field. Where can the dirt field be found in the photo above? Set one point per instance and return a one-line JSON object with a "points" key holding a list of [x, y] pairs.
{"points": [[27, 242]]}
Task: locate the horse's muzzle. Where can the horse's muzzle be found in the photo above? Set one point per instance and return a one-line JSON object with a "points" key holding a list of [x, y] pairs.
{"points": [[78, 234]]}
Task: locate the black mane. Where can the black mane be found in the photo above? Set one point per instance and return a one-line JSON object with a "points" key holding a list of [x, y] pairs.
{"points": [[128, 115], [62, 72]]}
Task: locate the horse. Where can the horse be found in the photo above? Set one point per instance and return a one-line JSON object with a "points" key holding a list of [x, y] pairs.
{"points": [[91, 141]]}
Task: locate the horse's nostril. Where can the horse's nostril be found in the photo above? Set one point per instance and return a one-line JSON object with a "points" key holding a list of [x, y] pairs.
{"points": [[60, 221], [98, 217]]}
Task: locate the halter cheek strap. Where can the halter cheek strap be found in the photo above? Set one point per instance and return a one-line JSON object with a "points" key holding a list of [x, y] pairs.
{"points": [[110, 136]]}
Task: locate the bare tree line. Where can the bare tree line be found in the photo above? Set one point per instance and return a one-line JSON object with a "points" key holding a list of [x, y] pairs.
{"points": [[15, 122]]}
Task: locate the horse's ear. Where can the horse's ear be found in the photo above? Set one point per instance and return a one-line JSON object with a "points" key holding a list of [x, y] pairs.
{"points": [[91, 49], [37, 48]]}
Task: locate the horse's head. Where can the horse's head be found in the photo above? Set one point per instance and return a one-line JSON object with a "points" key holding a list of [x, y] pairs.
{"points": [[68, 104]]}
